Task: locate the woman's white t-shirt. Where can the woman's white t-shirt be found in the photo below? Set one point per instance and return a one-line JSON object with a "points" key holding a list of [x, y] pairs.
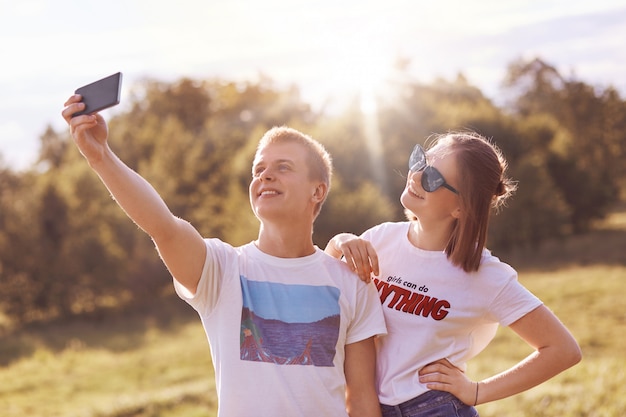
{"points": [[435, 310]]}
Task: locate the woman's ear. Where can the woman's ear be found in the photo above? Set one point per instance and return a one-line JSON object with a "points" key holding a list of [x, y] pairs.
{"points": [[456, 213]]}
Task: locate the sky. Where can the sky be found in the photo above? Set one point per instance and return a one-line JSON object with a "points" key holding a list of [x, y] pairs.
{"points": [[329, 48]]}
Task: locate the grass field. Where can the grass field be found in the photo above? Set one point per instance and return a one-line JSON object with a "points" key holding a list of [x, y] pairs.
{"points": [[159, 365]]}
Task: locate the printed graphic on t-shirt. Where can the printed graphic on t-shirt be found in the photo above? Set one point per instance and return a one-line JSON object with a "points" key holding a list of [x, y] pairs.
{"points": [[398, 294], [289, 324]]}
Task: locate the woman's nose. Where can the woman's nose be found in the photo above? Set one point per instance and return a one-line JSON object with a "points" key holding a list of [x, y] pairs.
{"points": [[416, 175]]}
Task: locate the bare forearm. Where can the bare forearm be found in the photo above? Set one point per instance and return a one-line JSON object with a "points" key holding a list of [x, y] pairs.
{"points": [[537, 368], [180, 245], [134, 195], [555, 351]]}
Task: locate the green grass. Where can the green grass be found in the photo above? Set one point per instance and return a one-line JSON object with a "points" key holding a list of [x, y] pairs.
{"points": [[125, 367], [589, 301], [159, 365]]}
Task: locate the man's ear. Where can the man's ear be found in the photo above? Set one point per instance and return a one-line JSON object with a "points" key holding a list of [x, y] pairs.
{"points": [[320, 192]]}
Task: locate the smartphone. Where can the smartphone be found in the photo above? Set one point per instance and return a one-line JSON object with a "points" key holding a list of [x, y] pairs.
{"points": [[101, 94]]}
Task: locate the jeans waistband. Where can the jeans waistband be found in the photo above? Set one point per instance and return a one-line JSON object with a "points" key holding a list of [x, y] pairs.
{"points": [[423, 403]]}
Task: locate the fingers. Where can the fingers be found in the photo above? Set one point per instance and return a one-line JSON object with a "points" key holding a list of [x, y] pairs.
{"points": [[432, 369], [370, 259], [439, 387], [72, 105], [81, 124], [442, 365], [354, 259], [78, 124], [359, 255], [443, 376], [74, 98], [362, 263], [441, 371], [438, 381], [458, 385], [374, 261]]}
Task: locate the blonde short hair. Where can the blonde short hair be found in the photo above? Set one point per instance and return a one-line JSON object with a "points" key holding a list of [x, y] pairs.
{"points": [[318, 159]]}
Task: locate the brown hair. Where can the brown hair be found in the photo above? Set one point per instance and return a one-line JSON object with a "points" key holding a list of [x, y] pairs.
{"points": [[318, 159], [482, 186]]}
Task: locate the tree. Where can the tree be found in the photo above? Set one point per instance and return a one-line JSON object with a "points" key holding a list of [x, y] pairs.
{"points": [[66, 248], [17, 239], [351, 211], [535, 213], [53, 149], [582, 163]]}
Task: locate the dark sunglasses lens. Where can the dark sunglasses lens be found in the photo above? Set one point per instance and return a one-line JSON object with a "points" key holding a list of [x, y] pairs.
{"points": [[417, 160], [431, 179]]}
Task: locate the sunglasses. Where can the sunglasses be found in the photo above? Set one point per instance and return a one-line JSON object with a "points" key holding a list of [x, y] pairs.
{"points": [[432, 179]]}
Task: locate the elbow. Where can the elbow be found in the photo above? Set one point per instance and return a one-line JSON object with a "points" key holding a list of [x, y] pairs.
{"points": [[571, 354], [563, 356], [576, 354]]}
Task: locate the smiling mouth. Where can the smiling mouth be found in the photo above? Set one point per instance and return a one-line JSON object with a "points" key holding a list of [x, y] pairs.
{"points": [[268, 193], [415, 193]]}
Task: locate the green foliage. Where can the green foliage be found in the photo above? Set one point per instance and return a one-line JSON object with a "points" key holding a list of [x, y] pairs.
{"points": [[535, 213], [67, 249], [17, 237], [358, 210], [586, 163]]}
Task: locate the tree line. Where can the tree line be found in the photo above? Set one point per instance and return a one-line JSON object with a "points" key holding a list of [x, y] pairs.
{"points": [[67, 249]]}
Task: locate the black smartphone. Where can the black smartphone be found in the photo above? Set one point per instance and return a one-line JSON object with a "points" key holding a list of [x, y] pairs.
{"points": [[101, 94]]}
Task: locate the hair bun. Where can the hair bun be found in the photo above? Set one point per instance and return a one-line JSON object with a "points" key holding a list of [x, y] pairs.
{"points": [[500, 189], [505, 188]]}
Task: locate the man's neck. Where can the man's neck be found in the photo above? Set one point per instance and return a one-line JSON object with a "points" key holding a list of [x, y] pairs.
{"points": [[285, 242]]}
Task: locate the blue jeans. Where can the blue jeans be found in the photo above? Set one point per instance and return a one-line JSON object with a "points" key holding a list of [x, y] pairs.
{"points": [[430, 404]]}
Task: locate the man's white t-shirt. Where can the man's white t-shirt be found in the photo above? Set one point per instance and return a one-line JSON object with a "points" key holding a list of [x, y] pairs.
{"points": [[435, 310], [277, 328]]}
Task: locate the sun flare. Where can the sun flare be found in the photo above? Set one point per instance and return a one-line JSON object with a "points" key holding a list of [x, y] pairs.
{"points": [[364, 73]]}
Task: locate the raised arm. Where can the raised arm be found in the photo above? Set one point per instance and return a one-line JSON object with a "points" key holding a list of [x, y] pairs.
{"points": [[179, 244], [359, 254], [555, 351]]}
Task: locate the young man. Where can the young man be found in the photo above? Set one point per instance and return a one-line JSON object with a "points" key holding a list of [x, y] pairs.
{"points": [[291, 329]]}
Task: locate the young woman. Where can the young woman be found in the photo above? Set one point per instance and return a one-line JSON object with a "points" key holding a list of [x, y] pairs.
{"points": [[444, 294]]}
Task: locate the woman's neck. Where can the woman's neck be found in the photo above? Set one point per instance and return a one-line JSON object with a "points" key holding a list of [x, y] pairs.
{"points": [[430, 238]]}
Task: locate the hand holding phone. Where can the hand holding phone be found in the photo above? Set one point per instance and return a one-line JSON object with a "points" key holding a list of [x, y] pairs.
{"points": [[100, 94]]}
